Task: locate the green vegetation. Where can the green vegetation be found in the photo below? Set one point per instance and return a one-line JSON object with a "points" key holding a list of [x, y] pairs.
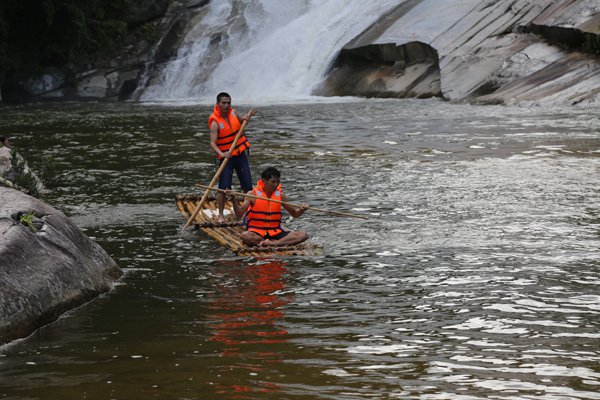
{"points": [[148, 31], [27, 220], [23, 178], [41, 33]]}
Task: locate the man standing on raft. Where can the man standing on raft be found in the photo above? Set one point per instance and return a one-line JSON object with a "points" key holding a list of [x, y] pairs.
{"points": [[264, 217], [224, 124]]}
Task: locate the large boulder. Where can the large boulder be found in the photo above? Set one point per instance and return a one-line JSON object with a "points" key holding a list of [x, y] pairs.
{"points": [[505, 51], [47, 265]]}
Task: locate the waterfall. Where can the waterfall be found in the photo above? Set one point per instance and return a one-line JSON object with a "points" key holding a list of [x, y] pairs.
{"points": [[262, 50]]}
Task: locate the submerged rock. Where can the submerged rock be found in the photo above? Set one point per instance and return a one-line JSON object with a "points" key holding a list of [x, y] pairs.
{"points": [[47, 265]]}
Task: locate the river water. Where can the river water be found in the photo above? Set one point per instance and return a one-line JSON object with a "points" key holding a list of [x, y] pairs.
{"points": [[477, 275]]}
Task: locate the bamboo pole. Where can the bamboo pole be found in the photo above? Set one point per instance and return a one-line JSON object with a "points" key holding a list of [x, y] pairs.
{"points": [[346, 214], [219, 171]]}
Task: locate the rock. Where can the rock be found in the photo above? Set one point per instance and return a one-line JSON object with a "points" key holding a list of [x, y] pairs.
{"points": [[572, 79], [47, 267], [95, 86], [23, 87], [195, 3], [484, 52], [147, 10], [172, 40], [17, 174], [6, 156], [386, 70], [49, 81], [127, 89]]}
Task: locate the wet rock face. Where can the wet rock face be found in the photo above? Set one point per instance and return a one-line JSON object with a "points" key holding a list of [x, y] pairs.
{"points": [[387, 70], [468, 50], [505, 51], [47, 265]]}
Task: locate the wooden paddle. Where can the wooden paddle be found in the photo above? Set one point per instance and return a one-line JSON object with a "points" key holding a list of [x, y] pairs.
{"points": [[212, 183], [286, 202]]}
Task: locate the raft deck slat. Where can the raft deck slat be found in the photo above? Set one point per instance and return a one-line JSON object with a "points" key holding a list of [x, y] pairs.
{"points": [[229, 233]]}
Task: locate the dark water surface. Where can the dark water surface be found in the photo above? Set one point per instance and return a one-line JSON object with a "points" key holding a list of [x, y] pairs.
{"points": [[478, 275]]}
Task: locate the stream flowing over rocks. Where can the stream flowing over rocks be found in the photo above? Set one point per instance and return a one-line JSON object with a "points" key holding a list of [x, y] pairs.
{"points": [[47, 265], [504, 51]]}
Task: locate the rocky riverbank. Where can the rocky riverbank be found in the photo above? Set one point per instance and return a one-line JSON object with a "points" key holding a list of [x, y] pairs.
{"points": [[503, 51], [47, 265], [488, 52]]}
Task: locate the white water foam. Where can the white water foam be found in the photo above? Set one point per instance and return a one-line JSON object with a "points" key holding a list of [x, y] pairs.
{"points": [[267, 51]]}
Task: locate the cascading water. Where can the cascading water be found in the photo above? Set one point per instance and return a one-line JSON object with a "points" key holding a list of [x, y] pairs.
{"points": [[266, 49]]}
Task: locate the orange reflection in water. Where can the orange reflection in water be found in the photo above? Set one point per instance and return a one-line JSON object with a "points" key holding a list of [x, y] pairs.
{"points": [[245, 317]]}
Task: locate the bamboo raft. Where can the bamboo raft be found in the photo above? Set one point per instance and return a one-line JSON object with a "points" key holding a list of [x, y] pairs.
{"points": [[228, 234]]}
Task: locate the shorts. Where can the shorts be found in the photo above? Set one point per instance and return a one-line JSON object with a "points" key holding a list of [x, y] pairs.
{"points": [[280, 235], [241, 165]]}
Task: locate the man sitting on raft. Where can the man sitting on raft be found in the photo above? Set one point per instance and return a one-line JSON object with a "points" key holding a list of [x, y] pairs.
{"points": [[264, 217]]}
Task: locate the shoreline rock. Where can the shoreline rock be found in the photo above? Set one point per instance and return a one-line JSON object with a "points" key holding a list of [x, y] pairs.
{"points": [[488, 53], [47, 265]]}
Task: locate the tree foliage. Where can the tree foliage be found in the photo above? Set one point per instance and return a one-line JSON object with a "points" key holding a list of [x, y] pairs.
{"points": [[41, 33]]}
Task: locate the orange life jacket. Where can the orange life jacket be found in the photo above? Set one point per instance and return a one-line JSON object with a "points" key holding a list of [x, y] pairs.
{"points": [[264, 217], [227, 132]]}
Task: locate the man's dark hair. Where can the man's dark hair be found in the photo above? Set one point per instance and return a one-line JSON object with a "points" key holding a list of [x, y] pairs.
{"points": [[221, 95], [269, 173]]}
